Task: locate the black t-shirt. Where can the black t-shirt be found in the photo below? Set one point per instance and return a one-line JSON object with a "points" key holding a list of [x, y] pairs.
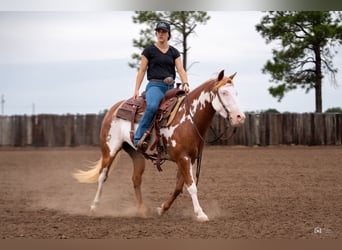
{"points": [[160, 65]]}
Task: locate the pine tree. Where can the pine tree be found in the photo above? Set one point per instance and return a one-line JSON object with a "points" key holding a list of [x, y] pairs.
{"points": [[305, 52]]}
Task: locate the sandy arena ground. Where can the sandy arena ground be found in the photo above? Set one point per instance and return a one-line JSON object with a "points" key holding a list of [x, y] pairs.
{"points": [[282, 192]]}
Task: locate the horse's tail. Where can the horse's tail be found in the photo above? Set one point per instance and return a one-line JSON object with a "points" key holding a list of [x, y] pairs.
{"points": [[91, 175]]}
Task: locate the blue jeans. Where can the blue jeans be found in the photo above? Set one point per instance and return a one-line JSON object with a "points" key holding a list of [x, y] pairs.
{"points": [[155, 92]]}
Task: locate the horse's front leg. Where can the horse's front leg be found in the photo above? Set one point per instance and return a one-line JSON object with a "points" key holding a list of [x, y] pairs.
{"points": [[179, 188], [185, 166]]}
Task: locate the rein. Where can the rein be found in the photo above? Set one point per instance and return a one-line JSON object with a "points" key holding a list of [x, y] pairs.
{"points": [[187, 108], [199, 157], [219, 137]]}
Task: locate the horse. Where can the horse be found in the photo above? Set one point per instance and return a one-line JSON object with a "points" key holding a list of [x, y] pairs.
{"points": [[184, 137]]}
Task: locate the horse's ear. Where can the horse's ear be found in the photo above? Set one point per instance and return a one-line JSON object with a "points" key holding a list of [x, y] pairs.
{"points": [[232, 76], [220, 76]]}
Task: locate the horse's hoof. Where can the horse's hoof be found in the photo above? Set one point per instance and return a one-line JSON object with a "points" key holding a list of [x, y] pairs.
{"points": [[142, 212], [202, 217], [142, 215], [92, 209], [161, 210]]}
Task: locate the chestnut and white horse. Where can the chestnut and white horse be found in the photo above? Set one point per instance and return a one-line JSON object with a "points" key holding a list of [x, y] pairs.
{"points": [[184, 139]]}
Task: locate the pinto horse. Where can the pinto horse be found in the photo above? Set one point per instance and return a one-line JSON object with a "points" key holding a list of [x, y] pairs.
{"points": [[184, 139]]}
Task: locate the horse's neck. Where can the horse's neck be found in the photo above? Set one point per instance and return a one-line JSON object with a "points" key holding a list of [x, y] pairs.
{"points": [[201, 109]]}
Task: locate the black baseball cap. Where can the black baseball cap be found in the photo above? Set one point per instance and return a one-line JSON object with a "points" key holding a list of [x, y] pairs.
{"points": [[163, 26]]}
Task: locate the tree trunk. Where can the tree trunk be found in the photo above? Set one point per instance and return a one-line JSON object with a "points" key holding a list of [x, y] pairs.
{"points": [[318, 85], [185, 53], [185, 46], [318, 89]]}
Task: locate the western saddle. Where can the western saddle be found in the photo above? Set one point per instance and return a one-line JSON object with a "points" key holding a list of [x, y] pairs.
{"points": [[133, 109]]}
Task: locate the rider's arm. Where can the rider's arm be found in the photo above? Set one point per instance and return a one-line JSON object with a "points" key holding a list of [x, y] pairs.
{"points": [[140, 75]]}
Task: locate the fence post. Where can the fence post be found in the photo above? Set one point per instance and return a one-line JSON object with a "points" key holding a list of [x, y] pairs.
{"points": [[6, 138]]}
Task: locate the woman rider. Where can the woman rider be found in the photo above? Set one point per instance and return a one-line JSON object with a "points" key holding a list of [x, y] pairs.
{"points": [[160, 60]]}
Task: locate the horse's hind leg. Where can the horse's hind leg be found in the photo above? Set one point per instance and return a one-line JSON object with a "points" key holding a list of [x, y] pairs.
{"points": [[103, 174], [97, 173], [138, 170], [179, 188], [111, 140]]}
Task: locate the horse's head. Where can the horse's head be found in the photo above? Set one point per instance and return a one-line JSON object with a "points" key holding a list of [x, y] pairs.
{"points": [[225, 100]]}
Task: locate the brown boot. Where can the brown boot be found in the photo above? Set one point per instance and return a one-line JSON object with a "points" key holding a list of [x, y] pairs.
{"points": [[142, 146], [143, 143]]}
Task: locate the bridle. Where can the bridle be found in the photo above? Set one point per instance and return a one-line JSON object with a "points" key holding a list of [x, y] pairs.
{"points": [[221, 102], [226, 119]]}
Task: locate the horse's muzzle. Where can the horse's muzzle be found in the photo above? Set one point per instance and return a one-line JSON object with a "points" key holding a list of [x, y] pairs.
{"points": [[237, 119]]}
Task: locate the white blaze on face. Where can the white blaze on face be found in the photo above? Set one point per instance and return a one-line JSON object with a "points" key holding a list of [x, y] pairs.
{"points": [[228, 96]]}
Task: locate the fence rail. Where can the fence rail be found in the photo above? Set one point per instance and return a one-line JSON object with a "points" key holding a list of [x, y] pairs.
{"points": [[259, 129]]}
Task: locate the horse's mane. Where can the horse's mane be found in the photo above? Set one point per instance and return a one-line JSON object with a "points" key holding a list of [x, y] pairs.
{"points": [[213, 84], [222, 82]]}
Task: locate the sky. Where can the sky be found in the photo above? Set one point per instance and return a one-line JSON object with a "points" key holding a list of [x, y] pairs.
{"points": [[76, 62]]}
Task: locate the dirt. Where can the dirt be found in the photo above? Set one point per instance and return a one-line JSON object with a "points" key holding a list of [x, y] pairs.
{"points": [[282, 192]]}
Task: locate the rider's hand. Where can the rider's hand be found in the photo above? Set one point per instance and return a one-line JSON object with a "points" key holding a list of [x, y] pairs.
{"points": [[186, 87], [136, 94]]}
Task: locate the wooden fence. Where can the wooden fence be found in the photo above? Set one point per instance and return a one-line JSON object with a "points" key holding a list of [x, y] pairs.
{"points": [[259, 129], [288, 128], [50, 130]]}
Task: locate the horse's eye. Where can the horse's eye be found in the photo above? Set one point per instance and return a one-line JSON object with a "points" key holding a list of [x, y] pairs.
{"points": [[225, 93]]}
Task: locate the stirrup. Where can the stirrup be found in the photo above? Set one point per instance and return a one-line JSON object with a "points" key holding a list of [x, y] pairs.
{"points": [[142, 146], [143, 142]]}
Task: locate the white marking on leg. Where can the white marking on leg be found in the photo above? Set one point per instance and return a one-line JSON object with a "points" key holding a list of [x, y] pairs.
{"points": [[192, 189], [201, 216], [191, 169], [160, 210], [101, 179]]}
